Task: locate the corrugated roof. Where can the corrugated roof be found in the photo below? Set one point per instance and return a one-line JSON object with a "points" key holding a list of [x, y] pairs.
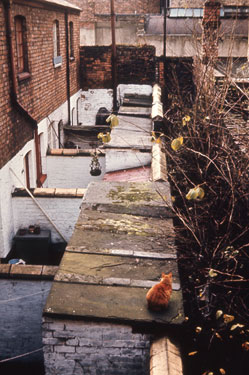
{"points": [[62, 3]]}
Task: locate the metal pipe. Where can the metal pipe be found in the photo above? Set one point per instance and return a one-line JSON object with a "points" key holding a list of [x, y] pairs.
{"points": [[68, 69], [114, 58], [10, 47], [164, 27]]}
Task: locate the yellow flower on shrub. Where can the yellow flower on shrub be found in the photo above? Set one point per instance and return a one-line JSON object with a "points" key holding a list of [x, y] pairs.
{"points": [[105, 137], [185, 120], [195, 193], [177, 143], [113, 119]]}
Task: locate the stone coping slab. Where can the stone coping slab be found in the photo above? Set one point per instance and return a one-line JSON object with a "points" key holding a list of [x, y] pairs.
{"points": [[106, 242], [114, 269], [125, 224], [50, 192], [135, 198], [74, 152], [25, 271], [107, 303]]}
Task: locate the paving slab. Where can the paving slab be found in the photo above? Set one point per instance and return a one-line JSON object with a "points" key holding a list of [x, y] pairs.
{"points": [[132, 132], [109, 242], [117, 304], [135, 198], [134, 124], [135, 111], [106, 269]]}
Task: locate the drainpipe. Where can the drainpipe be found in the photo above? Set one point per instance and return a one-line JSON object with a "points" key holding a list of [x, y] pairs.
{"points": [[114, 59], [68, 68], [13, 91]]}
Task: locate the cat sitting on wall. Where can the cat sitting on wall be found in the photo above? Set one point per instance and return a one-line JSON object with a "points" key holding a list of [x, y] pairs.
{"points": [[159, 295]]}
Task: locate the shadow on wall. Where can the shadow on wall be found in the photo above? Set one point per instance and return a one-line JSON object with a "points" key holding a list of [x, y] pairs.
{"points": [[29, 367]]}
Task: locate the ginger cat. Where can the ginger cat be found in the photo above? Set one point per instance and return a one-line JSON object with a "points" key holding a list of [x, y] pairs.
{"points": [[158, 296]]}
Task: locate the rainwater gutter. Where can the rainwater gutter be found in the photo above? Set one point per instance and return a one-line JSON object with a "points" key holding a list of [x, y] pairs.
{"points": [[13, 90]]}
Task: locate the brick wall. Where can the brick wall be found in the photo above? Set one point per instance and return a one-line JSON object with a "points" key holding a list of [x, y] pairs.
{"points": [[134, 65], [45, 90], [14, 131], [78, 347], [210, 23], [21, 313], [91, 9]]}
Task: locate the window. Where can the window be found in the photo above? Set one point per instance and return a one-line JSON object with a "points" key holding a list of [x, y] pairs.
{"points": [[27, 164], [185, 12], [21, 47], [230, 12], [39, 145], [78, 103], [71, 44], [73, 116], [56, 44]]}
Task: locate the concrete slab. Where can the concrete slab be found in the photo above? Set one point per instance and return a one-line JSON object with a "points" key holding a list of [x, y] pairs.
{"points": [[117, 159], [98, 268], [136, 111], [109, 242], [133, 140], [134, 124], [135, 198], [132, 132], [114, 303]]}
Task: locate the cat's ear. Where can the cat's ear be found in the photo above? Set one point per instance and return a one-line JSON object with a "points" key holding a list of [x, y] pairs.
{"points": [[170, 275], [163, 275]]}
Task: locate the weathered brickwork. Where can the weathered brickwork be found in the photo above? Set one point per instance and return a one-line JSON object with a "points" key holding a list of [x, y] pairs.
{"points": [[92, 9], [78, 347], [13, 131], [46, 88], [47, 84], [135, 65]]}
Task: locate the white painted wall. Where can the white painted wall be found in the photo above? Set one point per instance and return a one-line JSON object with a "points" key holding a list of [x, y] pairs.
{"points": [[133, 89], [124, 159], [91, 101], [71, 171], [64, 213], [8, 182], [87, 36]]}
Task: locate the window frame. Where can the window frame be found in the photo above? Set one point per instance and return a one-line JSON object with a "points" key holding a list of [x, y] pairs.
{"points": [[27, 169], [71, 41], [57, 58], [21, 47]]}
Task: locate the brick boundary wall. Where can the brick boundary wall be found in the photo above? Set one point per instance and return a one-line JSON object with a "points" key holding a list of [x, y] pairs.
{"points": [[80, 348], [135, 65], [27, 272]]}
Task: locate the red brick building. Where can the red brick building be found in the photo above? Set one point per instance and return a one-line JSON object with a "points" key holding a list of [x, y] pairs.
{"points": [[39, 87]]}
